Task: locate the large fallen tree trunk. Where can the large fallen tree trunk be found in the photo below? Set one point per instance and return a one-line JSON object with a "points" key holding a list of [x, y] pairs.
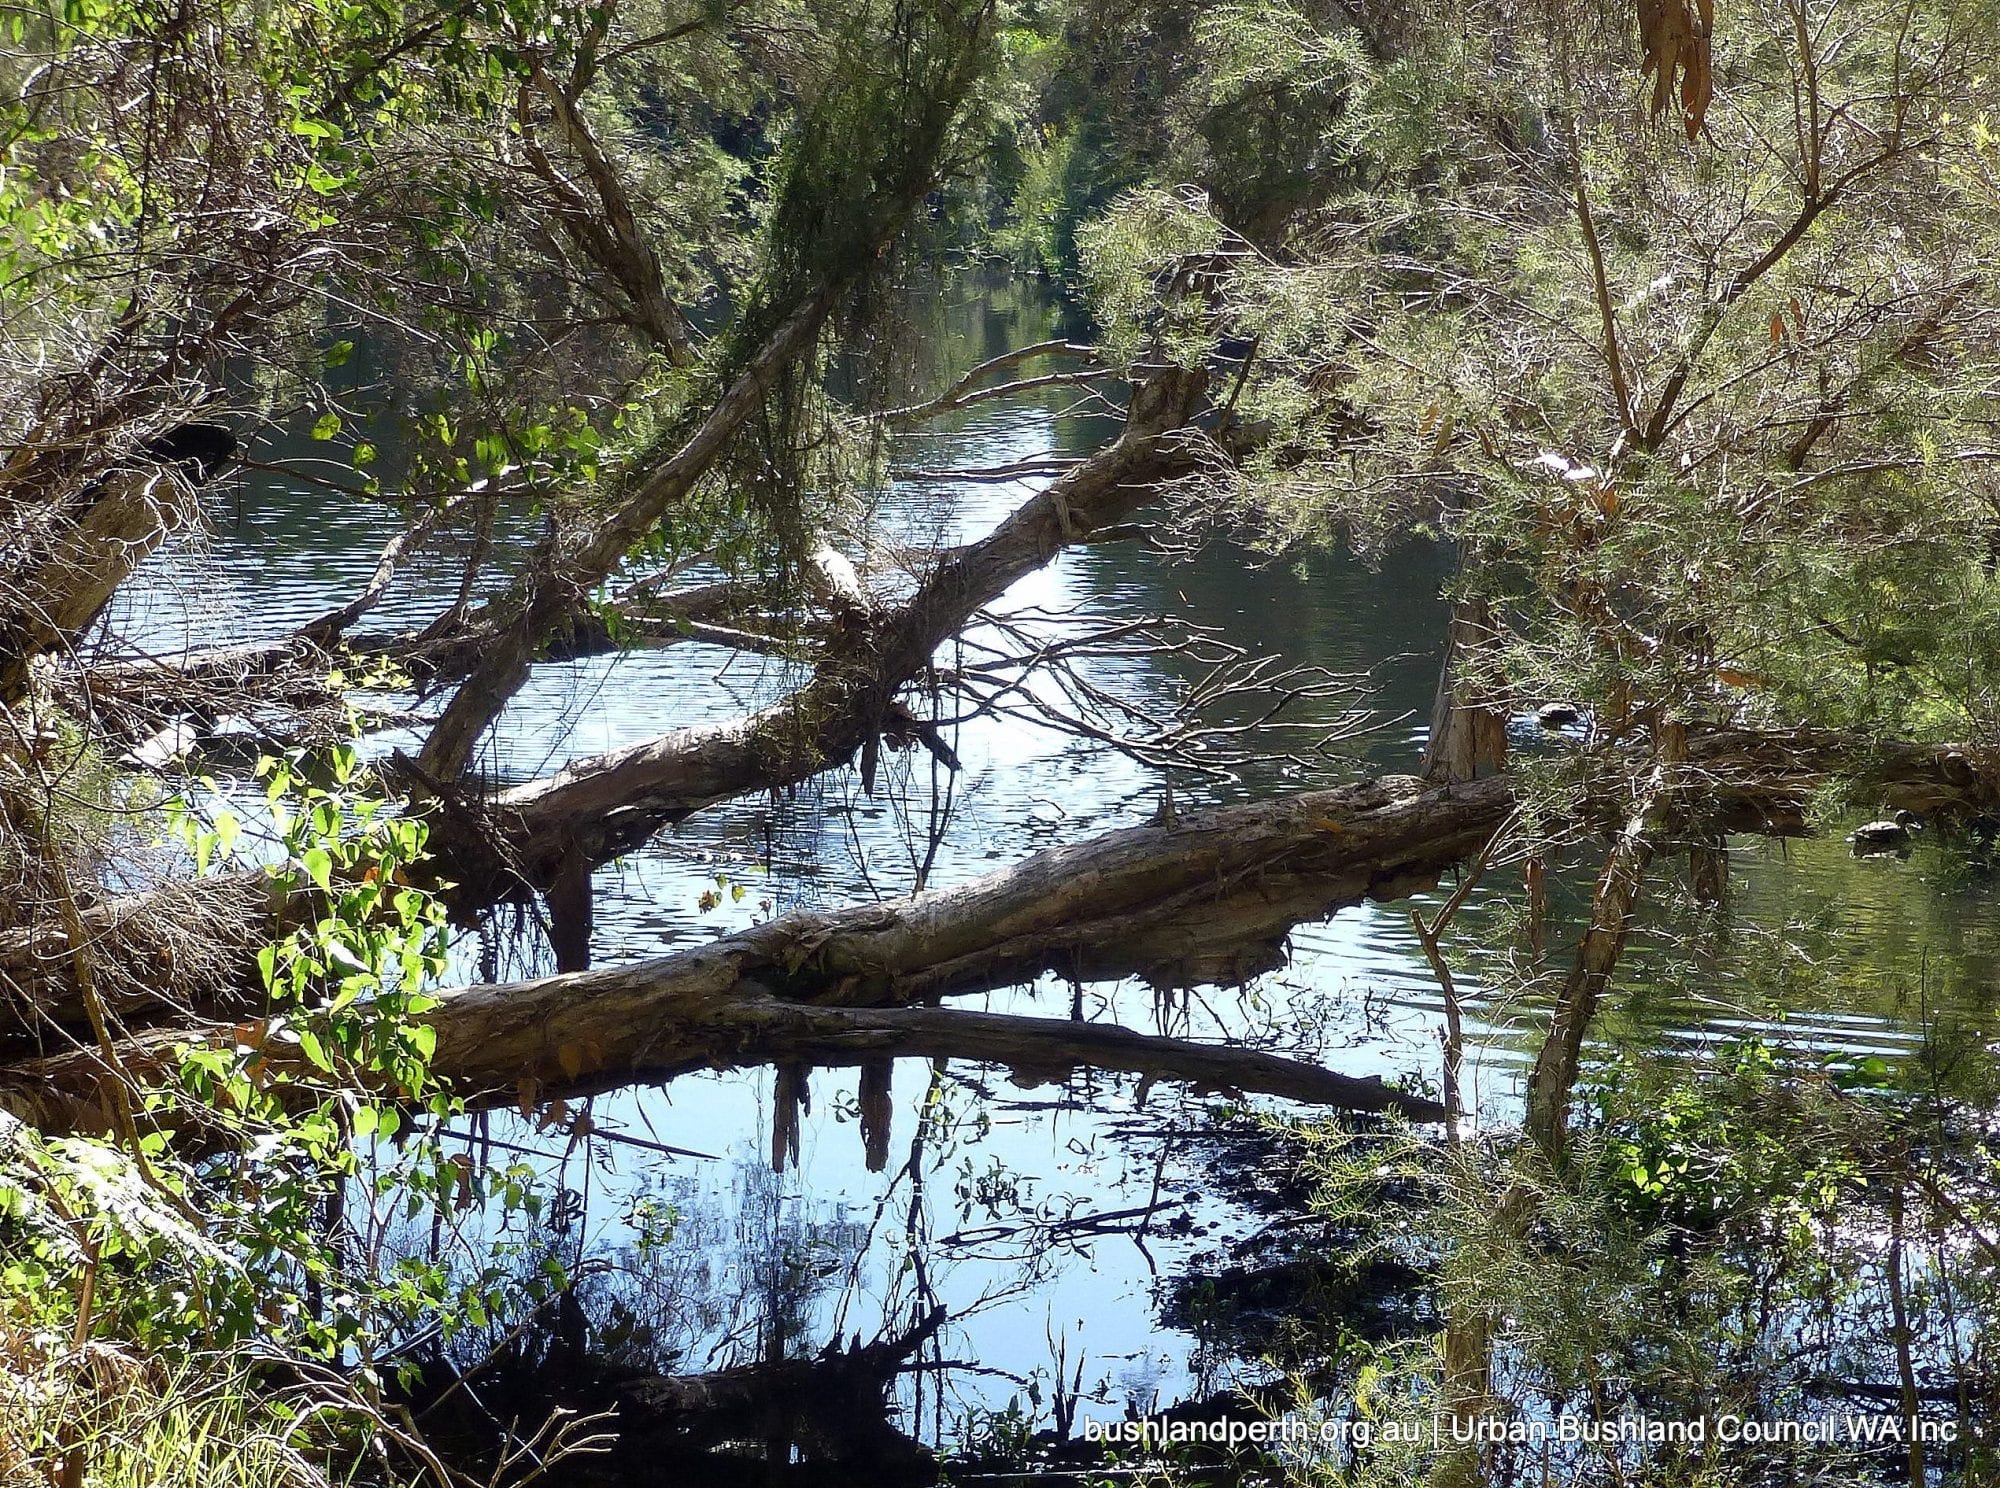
{"points": [[1737, 781], [1208, 900], [1768, 779]]}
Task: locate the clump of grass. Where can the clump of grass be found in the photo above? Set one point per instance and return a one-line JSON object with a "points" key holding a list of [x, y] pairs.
{"points": [[102, 1417]]}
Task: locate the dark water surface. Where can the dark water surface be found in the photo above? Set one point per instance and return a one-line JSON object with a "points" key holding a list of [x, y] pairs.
{"points": [[980, 1208]]}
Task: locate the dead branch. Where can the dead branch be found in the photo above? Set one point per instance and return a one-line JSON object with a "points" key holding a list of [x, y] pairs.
{"points": [[961, 393], [606, 804]]}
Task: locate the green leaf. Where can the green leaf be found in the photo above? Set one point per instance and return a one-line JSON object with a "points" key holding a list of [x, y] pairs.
{"points": [[319, 866], [326, 426], [314, 1050]]}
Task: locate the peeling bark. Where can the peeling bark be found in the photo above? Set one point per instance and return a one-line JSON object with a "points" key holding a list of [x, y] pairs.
{"points": [[1468, 738], [1737, 781], [1210, 899]]}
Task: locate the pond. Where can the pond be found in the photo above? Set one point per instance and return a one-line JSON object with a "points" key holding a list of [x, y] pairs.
{"points": [[1056, 1226]]}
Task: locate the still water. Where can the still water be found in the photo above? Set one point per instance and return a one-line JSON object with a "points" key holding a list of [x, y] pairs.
{"points": [[996, 1200]]}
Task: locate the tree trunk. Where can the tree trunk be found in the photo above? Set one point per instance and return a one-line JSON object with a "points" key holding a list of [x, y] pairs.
{"points": [[610, 803], [1554, 1076], [65, 567], [1468, 738], [511, 630], [1208, 900]]}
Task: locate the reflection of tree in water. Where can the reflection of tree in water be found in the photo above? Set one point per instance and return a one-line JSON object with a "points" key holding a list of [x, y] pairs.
{"points": [[701, 1327], [738, 1277]]}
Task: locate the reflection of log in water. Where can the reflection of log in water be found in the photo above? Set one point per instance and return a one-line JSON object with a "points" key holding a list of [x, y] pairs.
{"points": [[833, 1407], [825, 1419]]}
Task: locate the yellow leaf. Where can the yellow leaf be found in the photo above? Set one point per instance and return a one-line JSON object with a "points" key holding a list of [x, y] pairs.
{"points": [[1730, 676]]}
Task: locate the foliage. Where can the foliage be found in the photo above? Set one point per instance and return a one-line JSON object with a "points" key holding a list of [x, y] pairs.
{"points": [[273, 1163], [1715, 1250], [1707, 413], [193, 1424]]}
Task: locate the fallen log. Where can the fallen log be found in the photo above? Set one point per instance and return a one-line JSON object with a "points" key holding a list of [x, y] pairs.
{"points": [[1746, 780], [1770, 777], [1209, 899], [1736, 781]]}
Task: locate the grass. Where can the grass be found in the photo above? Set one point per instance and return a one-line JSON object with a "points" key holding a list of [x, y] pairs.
{"points": [[99, 1417]]}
